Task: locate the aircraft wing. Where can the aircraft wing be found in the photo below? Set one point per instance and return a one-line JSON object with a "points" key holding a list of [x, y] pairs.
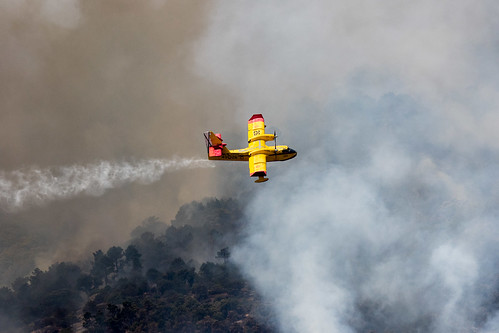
{"points": [[256, 127], [258, 165]]}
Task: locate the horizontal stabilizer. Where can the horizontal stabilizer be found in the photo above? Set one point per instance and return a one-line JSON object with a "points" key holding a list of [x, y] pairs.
{"points": [[215, 146]]}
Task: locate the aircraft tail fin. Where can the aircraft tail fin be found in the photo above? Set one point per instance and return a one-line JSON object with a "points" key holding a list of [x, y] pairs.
{"points": [[214, 144]]}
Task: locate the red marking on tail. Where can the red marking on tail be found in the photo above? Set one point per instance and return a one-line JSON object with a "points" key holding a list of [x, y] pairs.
{"points": [[215, 152], [255, 117]]}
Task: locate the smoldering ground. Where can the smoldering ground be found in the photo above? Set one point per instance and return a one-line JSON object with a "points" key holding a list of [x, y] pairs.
{"points": [[387, 219]]}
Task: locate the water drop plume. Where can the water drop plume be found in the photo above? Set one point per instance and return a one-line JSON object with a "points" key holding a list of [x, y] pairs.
{"points": [[21, 188]]}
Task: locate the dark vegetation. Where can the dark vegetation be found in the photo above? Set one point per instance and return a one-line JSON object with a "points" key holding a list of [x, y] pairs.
{"points": [[18, 247], [176, 278]]}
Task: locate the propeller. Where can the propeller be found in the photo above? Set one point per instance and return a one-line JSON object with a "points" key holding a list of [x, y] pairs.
{"points": [[275, 143]]}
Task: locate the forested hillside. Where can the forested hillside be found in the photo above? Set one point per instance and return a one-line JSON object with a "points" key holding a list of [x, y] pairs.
{"points": [[174, 277], [169, 278]]}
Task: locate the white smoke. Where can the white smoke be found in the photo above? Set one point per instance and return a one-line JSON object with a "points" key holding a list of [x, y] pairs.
{"points": [[40, 186], [387, 219]]}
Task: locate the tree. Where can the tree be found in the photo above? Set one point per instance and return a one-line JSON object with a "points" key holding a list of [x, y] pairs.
{"points": [[132, 255], [224, 254], [85, 283], [115, 253], [103, 266]]}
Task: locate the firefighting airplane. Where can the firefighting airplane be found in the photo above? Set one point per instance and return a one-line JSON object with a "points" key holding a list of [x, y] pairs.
{"points": [[257, 152]]}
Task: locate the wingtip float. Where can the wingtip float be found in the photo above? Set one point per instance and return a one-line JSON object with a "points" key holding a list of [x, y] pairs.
{"points": [[257, 153]]}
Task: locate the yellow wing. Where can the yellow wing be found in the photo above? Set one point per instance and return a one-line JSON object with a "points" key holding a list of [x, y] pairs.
{"points": [[258, 148], [258, 167], [256, 129]]}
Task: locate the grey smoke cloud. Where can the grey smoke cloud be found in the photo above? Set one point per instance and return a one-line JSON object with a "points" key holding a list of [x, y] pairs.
{"points": [[391, 229], [87, 81], [386, 219]]}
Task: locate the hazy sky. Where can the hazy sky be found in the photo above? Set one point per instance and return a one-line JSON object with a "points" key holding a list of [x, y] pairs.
{"points": [[387, 218], [390, 206], [91, 82]]}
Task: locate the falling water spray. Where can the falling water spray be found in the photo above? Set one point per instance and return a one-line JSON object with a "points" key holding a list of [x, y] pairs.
{"points": [[37, 186]]}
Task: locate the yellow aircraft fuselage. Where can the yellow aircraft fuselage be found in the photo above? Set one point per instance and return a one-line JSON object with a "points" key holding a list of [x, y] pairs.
{"points": [[257, 153]]}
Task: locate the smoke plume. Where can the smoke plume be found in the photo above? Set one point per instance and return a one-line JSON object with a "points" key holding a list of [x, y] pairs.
{"points": [[38, 186], [386, 220], [86, 81]]}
